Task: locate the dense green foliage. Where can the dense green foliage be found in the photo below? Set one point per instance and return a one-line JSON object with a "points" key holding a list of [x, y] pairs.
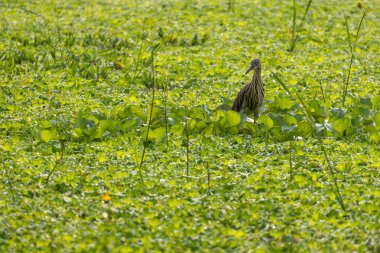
{"points": [[112, 139]]}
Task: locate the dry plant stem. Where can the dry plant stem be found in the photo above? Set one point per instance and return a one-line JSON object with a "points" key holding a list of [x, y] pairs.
{"points": [[332, 174], [231, 5], [165, 106], [290, 160], [137, 64], [352, 51], [314, 120], [9, 182], [361, 63], [330, 169], [208, 177], [149, 119], [62, 142], [23, 9], [187, 145], [293, 25], [295, 35], [322, 91]]}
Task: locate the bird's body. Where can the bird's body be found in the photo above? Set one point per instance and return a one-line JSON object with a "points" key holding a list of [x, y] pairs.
{"points": [[250, 98]]}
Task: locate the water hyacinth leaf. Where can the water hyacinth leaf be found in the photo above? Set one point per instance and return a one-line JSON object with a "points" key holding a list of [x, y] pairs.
{"points": [[93, 118], [200, 112], [63, 121], [131, 124], [377, 119], [363, 112], [89, 132], [266, 121], [104, 124], [340, 125], [316, 108], [337, 112], [45, 124], [84, 123], [375, 137], [178, 129], [157, 112], [278, 119], [77, 133], [366, 102], [191, 123], [324, 128], [48, 135], [134, 111], [200, 125], [157, 134], [99, 133], [230, 119], [218, 115], [283, 103], [288, 128], [290, 120], [375, 101]]}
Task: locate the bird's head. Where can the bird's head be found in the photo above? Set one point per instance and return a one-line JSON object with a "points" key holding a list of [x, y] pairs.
{"points": [[255, 63]]}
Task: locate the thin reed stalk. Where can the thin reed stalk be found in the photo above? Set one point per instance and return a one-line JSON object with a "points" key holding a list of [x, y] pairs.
{"points": [[295, 34], [311, 118], [352, 52], [145, 144]]}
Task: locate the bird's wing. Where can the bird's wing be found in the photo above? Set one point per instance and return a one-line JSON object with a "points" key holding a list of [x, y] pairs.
{"points": [[239, 100]]}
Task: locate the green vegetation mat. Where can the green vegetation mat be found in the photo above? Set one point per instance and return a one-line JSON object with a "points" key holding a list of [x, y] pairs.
{"points": [[112, 141]]}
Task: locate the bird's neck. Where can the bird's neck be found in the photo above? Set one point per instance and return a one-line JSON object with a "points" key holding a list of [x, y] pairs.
{"points": [[256, 75]]}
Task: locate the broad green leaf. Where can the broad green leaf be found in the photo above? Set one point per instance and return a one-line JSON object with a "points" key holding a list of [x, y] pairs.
{"points": [[266, 120], [131, 124], [337, 112], [375, 101], [200, 125], [377, 119], [283, 103], [230, 119], [289, 128], [121, 154], [99, 132], [48, 135], [191, 123], [77, 132], [290, 120], [6, 147], [157, 112], [375, 137], [157, 134], [341, 124], [305, 129], [45, 124], [85, 123], [324, 128], [218, 115], [361, 111], [366, 102], [132, 111], [104, 124], [316, 108], [93, 118], [178, 129]]}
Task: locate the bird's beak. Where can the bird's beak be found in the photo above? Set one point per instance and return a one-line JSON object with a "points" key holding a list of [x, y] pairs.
{"points": [[249, 69]]}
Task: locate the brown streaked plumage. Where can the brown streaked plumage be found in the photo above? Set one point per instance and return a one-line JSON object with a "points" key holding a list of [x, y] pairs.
{"points": [[251, 96]]}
